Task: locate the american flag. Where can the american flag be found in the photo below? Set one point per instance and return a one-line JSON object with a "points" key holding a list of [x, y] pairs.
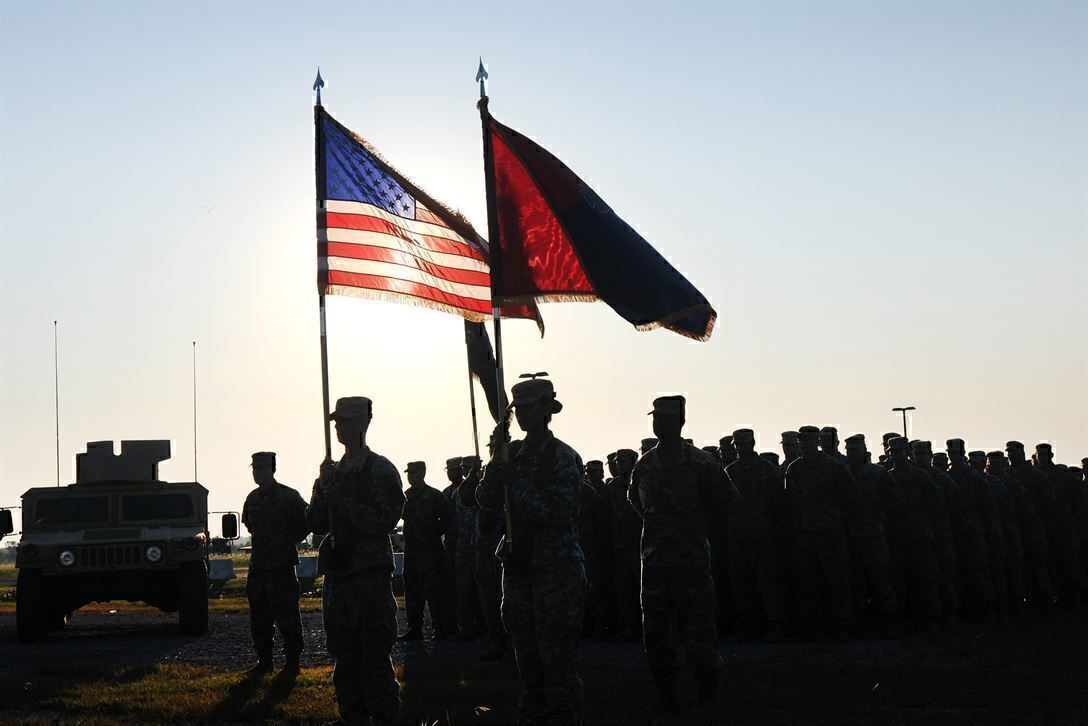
{"points": [[380, 236]]}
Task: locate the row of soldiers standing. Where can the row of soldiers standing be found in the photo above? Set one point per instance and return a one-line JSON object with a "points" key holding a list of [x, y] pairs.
{"points": [[831, 542]]}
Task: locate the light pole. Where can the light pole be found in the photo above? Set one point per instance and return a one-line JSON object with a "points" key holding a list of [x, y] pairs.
{"points": [[903, 410]]}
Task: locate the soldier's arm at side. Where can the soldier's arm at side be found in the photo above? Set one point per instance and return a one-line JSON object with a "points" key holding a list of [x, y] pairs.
{"points": [[300, 525], [441, 514], [632, 494], [245, 515], [557, 501], [489, 490]]}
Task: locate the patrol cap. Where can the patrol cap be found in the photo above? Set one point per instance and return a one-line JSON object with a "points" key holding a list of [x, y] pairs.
{"points": [[808, 432], [264, 458], [898, 442], [855, 440], [673, 405], [940, 456], [789, 437], [1044, 447], [976, 454], [629, 453], [726, 441], [770, 456], [470, 460], [595, 464], [416, 466], [829, 430], [454, 463], [645, 443], [956, 444], [712, 450], [352, 407], [923, 445], [995, 455], [1013, 445], [888, 436], [743, 434], [612, 456], [534, 389]]}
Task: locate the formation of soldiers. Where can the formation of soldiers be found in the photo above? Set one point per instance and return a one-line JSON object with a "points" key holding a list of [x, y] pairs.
{"points": [[678, 545]]}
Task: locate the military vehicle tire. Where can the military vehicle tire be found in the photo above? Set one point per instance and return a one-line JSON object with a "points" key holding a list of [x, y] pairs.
{"points": [[193, 603], [30, 622], [56, 619]]}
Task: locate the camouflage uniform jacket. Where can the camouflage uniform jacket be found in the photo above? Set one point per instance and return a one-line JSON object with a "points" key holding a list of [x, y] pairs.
{"points": [[465, 509], [1062, 482], [914, 502], [819, 490], [449, 540], [876, 496], [973, 492], [592, 522], [680, 497], [426, 517], [624, 525], [544, 499], [949, 514], [756, 498], [276, 517], [371, 500]]}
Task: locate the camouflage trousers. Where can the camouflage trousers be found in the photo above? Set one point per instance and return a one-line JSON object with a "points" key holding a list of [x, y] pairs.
{"points": [[944, 553], [914, 578], [995, 543], [1014, 571], [822, 567], [976, 584], [468, 590], [678, 605], [542, 611], [728, 609], [871, 577], [273, 602], [425, 585], [1037, 586], [756, 582], [489, 588], [626, 568], [360, 629], [1065, 570], [595, 618]]}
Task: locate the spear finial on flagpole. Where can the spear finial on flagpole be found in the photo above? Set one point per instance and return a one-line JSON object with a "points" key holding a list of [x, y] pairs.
{"points": [[481, 77], [318, 85]]}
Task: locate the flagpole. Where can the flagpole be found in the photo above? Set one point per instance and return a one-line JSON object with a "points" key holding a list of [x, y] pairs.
{"points": [[322, 274], [472, 396], [195, 479], [56, 395], [494, 253]]}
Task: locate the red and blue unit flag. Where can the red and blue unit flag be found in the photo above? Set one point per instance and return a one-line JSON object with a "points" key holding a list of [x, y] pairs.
{"points": [[560, 241]]}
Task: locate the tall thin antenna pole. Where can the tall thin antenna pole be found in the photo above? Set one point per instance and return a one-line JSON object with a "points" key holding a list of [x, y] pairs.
{"points": [[56, 394], [194, 412]]}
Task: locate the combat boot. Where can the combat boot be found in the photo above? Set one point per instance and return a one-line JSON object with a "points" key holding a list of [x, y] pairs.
{"points": [[264, 665], [291, 665], [415, 633]]}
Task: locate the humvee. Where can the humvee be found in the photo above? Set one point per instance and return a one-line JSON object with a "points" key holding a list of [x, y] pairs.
{"points": [[117, 533]]}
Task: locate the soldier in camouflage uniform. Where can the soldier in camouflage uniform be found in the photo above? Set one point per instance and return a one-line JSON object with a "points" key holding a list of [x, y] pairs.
{"points": [[783, 538], [592, 523], [818, 490], [426, 517], [358, 501], [625, 528], [727, 616], [543, 576], [470, 617], [1022, 479], [995, 534], [915, 505], [1005, 495], [976, 582], [489, 530], [940, 462], [449, 544], [869, 557], [276, 517], [757, 500], [646, 444], [1065, 566], [678, 491], [727, 451], [595, 474], [944, 527]]}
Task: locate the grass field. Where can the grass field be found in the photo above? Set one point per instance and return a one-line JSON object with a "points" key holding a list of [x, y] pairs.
{"points": [[173, 693]]}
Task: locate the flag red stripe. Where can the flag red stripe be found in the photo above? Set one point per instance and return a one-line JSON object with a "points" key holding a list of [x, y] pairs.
{"points": [[339, 220], [398, 257], [412, 289]]}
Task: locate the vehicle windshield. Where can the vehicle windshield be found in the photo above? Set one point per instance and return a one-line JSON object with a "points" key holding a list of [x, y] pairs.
{"points": [[146, 507], [71, 510]]}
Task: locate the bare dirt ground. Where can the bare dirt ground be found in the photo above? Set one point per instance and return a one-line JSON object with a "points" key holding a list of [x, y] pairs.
{"points": [[1030, 673]]}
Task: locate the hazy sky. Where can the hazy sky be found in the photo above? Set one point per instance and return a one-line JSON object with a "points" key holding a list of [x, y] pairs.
{"points": [[884, 202]]}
